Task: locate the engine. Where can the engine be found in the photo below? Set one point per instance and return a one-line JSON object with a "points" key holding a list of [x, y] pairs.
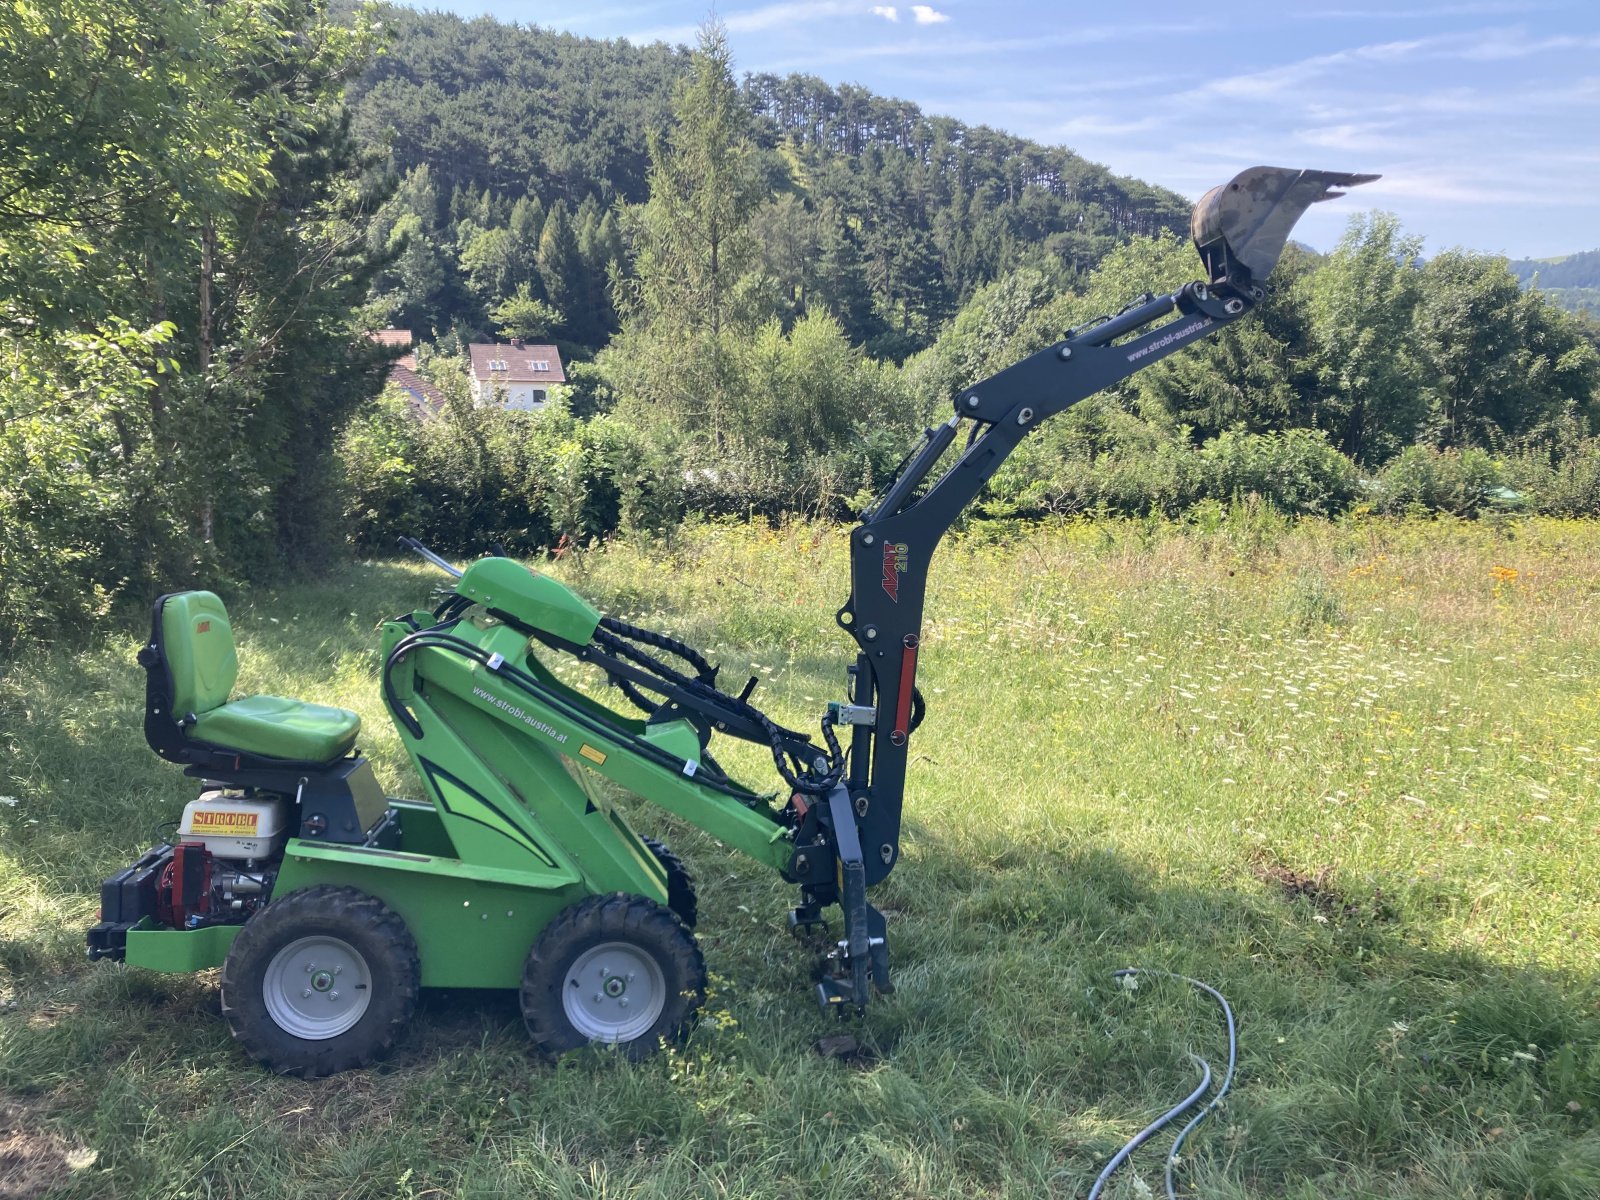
{"points": [[225, 859], [218, 870]]}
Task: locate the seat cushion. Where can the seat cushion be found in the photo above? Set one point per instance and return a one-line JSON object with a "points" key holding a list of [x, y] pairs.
{"points": [[279, 728]]}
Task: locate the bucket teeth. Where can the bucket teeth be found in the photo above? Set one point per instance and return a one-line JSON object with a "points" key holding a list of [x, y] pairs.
{"points": [[1241, 227]]}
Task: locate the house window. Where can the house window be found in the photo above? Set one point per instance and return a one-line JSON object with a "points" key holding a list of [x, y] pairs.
{"points": [[539, 364], [538, 395]]}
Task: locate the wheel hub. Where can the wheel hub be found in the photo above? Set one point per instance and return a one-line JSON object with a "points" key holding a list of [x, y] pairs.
{"points": [[317, 988], [614, 992]]}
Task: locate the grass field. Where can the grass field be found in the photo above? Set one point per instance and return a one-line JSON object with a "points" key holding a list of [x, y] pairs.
{"points": [[1345, 773]]}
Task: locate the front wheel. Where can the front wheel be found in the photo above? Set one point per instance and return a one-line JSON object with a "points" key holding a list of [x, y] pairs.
{"points": [[320, 981], [615, 970]]}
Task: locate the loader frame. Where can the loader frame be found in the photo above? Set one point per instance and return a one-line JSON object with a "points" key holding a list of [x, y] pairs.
{"points": [[518, 825]]}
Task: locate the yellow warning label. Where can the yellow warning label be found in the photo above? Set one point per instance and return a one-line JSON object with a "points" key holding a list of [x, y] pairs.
{"points": [[235, 824], [593, 755]]}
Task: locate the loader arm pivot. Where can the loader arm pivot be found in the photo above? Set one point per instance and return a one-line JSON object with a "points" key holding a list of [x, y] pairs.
{"points": [[1240, 230]]}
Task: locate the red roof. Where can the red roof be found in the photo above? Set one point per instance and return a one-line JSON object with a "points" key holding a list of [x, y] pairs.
{"points": [[426, 400], [396, 337], [497, 363]]}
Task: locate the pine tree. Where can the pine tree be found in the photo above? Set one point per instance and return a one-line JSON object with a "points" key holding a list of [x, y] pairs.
{"points": [[560, 266], [694, 233]]}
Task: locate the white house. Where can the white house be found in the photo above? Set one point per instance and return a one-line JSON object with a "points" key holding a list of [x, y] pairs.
{"points": [[516, 376]]}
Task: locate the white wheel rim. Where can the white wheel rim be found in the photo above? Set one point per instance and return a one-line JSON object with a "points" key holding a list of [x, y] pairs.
{"points": [[613, 992], [317, 988]]}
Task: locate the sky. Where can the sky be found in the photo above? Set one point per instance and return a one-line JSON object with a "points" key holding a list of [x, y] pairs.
{"points": [[1483, 116]]}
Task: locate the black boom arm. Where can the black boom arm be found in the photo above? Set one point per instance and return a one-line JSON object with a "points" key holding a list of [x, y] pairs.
{"points": [[1240, 230], [891, 549]]}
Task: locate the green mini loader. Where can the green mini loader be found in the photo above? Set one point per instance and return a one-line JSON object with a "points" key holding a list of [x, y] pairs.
{"points": [[328, 905]]}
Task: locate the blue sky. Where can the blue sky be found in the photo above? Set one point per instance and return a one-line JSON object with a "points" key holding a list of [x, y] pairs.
{"points": [[1482, 115]]}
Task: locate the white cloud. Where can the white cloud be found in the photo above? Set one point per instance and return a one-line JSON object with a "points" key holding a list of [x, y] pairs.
{"points": [[787, 14], [1487, 45], [927, 15], [887, 11]]}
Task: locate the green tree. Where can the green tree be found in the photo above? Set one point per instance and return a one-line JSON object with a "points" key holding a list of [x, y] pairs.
{"points": [[523, 316], [693, 236], [1497, 362], [686, 307], [186, 211], [560, 264], [1362, 302]]}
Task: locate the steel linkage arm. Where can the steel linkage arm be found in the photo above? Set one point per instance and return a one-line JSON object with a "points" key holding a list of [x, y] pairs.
{"points": [[853, 839], [891, 549]]}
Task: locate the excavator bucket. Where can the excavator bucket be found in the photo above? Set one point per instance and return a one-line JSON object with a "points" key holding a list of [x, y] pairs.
{"points": [[1241, 227]]}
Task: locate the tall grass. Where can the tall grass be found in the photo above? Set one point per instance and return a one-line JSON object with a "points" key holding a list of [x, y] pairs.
{"points": [[1345, 772]]}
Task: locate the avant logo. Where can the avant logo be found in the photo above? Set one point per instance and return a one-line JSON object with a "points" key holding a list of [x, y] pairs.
{"points": [[895, 559]]}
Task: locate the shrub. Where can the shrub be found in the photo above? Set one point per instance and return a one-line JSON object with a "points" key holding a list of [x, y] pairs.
{"points": [[1296, 470], [1420, 478]]}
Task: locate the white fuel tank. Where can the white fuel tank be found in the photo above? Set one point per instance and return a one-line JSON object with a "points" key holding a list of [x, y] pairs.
{"points": [[234, 826]]}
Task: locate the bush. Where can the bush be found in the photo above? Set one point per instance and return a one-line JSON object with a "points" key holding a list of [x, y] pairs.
{"points": [[1420, 478], [1144, 473], [1560, 484], [478, 475], [1297, 471]]}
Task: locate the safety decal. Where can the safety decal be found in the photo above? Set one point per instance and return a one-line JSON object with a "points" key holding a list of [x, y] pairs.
{"points": [[595, 756]]}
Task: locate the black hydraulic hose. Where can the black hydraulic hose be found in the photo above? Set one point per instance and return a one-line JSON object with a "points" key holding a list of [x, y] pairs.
{"points": [[818, 786], [636, 633], [444, 641], [1227, 1082]]}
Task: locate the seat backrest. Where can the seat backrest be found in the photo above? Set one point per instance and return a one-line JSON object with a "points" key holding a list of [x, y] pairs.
{"points": [[197, 646]]}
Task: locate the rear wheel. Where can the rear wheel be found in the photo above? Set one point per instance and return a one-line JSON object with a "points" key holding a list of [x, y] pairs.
{"points": [[320, 981], [680, 884], [615, 970]]}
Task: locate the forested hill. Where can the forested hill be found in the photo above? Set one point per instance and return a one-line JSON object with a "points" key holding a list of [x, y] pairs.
{"points": [[1572, 282], [886, 216]]}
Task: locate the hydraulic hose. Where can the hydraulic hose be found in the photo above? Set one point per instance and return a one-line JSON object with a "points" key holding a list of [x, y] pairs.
{"points": [[437, 639], [819, 785], [1189, 1102]]}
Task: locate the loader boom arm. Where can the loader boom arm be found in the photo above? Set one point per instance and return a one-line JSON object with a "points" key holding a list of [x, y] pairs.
{"points": [[852, 840], [891, 549]]}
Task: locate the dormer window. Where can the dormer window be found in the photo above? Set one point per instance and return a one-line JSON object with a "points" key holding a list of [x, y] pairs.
{"points": [[498, 364], [539, 364]]}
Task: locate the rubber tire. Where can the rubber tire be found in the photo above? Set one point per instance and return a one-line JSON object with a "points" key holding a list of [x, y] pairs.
{"points": [[617, 917], [372, 929], [680, 884]]}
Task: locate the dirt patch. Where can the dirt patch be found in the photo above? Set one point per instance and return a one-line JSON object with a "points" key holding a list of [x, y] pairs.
{"points": [[1317, 887], [846, 1049], [34, 1162]]}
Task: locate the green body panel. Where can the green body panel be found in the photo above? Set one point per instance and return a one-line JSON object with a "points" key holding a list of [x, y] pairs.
{"points": [[179, 950], [280, 728], [198, 644], [534, 599], [473, 925], [524, 758]]}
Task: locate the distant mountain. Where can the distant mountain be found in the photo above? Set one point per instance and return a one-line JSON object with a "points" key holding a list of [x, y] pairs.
{"points": [[894, 217], [1571, 280]]}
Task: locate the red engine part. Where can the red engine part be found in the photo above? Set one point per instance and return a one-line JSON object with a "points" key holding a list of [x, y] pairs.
{"points": [[184, 888]]}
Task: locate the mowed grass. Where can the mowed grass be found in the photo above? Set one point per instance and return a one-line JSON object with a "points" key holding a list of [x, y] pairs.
{"points": [[1345, 773]]}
